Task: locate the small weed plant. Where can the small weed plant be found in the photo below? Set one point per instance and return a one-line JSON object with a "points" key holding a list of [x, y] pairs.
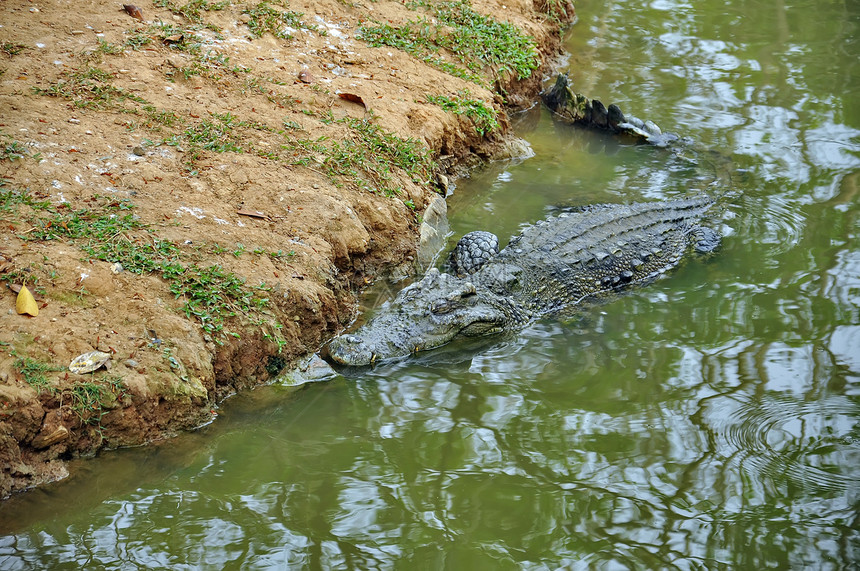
{"points": [[264, 18], [34, 373], [484, 118]]}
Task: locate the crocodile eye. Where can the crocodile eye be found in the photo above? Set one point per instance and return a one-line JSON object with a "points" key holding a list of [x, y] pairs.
{"points": [[440, 307]]}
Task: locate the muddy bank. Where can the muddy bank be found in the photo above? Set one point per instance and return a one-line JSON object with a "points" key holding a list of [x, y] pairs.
{"points": [[201, 189]]}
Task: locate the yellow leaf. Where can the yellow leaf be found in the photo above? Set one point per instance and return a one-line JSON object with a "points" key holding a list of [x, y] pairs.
{"points": [[25, 302]]}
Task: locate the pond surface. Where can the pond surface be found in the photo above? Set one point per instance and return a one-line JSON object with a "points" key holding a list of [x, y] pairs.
{"points": [[709, 420]]}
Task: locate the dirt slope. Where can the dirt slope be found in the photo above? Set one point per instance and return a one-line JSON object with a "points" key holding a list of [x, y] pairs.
{"points": [[199, 189]]}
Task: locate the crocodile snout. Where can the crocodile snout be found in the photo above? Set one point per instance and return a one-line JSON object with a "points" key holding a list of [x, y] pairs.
{"points": [[350, 350]]}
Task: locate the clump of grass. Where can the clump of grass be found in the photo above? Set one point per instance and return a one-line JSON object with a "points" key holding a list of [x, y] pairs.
{"points": [[372, 153], [368, 157], [264, 18], [86, 402], [193, 9], [487, 41], [221, 133], [161, 117], [557, 10], [91, 399], [11, 49], [10, 198], [477, 41], [417, 39], [484, 118], [179, 38], [137, 40], [108, 48], [12, 150], [91, 88], [216, 134], [34, 374]]}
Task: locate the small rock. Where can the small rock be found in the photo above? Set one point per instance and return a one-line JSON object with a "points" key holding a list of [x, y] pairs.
{"points": [[175, 61], [131, 364], [139, 151], [305, 76], [442, 183]]}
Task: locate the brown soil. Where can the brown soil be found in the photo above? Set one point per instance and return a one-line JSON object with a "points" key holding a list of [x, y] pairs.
{"points": [[267, 206]]}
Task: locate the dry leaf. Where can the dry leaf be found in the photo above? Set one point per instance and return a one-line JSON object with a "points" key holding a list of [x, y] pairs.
{"points": [[133, 11], [352, 97], [25, 303], [175, 39]]}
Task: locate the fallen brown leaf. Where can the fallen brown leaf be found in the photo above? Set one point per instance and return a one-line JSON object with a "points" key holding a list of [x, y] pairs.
{"points": [[353, 97], [133, 11]]}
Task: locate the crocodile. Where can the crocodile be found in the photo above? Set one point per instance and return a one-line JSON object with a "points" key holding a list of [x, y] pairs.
{"points": [[577, 109], [557, 264]]}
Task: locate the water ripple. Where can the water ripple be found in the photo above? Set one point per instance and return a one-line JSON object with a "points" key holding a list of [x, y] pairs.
{"points": [[785, 441], [774, 220]]}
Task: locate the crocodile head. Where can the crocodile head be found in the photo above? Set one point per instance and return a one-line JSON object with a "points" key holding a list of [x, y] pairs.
{"points": [[425, 315]]}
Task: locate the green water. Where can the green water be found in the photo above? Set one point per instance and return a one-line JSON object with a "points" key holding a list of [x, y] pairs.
{"points": [[710, 420]]}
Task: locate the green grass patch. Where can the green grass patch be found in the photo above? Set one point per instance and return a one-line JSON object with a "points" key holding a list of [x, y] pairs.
{"points": [[113, 233], [11, 198], [91, 88], [193, 9], [221, 133], [91, 400], [34, 374], [178, 38], [11, 49], [477, 41], [265, 18], [216, 134], [484, 118], [137, 40], [12, 150], [371, 154]]}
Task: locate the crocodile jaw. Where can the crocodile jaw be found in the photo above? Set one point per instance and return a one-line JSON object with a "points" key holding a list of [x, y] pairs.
{"points": [[382, 339], [423, 316]]}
